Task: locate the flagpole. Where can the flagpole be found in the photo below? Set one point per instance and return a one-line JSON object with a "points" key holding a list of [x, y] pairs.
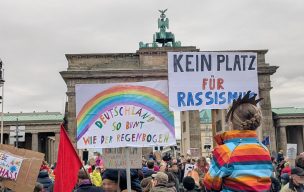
{"points": [[128, 168], [76, 153]]}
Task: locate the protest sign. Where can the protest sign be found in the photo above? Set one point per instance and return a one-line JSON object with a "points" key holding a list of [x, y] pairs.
{"points": [[291, 151], [9, 165], [124, 115], [210, 80], [195, 152], [188, 168], [115, 158], [28, 172]]}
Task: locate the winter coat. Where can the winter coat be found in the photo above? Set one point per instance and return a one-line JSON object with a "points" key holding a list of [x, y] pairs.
{"points": [[160, 188], [286, 188], [44, 179], [96, 178], [286, 170], [275, 184], [240, 163], [88, 188], [280, 157], [171, 187], [148, 172]]}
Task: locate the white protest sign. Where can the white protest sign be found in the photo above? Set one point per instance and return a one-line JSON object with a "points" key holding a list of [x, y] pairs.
{"points": [[291, 151], [124, 115], [115, 158], [188, 168], [210, 80], [195, 152], [9, 165]]}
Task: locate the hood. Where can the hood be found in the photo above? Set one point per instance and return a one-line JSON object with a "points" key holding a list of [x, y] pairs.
{"points": [[43, 174], [234, 135], [169, 185]]}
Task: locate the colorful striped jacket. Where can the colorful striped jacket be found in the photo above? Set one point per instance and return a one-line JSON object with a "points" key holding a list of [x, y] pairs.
{"points": [[240, 163]]}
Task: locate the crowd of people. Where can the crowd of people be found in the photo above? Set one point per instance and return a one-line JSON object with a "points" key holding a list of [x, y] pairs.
{"points": [[169, 174], [239, 162]]}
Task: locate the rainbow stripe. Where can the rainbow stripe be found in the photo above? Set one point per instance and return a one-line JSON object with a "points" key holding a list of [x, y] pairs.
{"points": [[242, 163], [149, 99]]}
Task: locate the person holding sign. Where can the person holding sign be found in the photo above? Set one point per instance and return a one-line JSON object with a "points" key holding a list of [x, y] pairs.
{"points": [[240, 161]]}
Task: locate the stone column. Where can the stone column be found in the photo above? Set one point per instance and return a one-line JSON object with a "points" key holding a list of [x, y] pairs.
{"points": [[195, 130], [53, 151], [72, 114], [56, 145], [264, 73], [283, 139], [35, 141], [48, 152]]}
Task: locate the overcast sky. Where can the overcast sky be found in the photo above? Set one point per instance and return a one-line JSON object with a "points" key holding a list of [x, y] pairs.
{"points": [[35, 35]]}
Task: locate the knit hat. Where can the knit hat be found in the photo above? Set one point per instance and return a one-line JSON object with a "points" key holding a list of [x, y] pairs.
{"points": [[161, 177], [188, 183], [111, 174], [297, 171]]}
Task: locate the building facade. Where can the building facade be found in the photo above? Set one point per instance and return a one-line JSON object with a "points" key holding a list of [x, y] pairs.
{"points": [[41, 132], [150, 63], [289, 127]]}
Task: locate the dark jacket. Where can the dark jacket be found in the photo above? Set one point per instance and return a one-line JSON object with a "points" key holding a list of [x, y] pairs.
{"points": [[171, 187], [160, 188], [148, 172], [135, 183], [44, 179], [88, 188]]}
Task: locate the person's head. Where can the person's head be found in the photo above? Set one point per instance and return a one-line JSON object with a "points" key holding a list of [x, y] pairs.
{"points": [[286, 164], [300, 161], [202, 161], [193, 161], [150, 164], [38, 187], [82, 175], [110, 180], [284, 178], [98, 169], [246, 117], [244, 114], [160, 178], [188, 183], [146, 184], [167, 157], [143, 161], [188, 160], [297, 177]]}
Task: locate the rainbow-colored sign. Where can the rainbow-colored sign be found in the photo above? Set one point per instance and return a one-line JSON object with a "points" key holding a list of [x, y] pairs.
{"points": [[125, 114]]}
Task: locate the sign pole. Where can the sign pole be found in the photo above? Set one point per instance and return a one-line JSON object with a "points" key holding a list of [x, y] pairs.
{"points": [[213, 126], [128, 168]]}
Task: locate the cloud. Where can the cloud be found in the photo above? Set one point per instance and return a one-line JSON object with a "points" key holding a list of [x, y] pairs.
{"points": [[36, 35]]}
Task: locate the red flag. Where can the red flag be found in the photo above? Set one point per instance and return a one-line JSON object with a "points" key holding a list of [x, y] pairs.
{"points": [[68, 164]]}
